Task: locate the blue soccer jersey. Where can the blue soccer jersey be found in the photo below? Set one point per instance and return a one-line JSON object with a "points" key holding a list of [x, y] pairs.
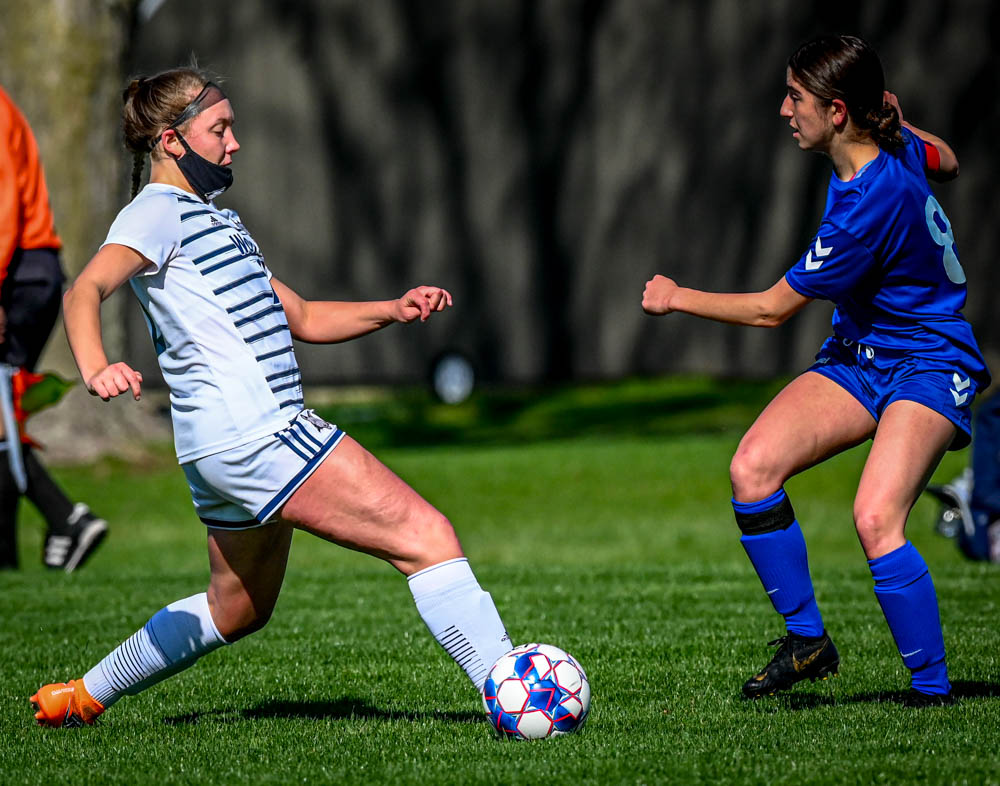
{"points": [[885, 255]]}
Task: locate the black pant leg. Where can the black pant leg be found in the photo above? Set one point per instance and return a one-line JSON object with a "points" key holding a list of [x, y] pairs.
{"points": [[45, 493], [9, 499]]}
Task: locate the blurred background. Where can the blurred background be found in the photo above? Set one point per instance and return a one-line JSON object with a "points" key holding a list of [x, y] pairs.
{"points": [[539, 158], [542, 159]]}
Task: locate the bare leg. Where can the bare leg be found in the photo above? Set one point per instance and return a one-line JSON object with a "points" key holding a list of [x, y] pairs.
{"points": [[811, 419], [354, 500], [247, 570], [909, 443]]}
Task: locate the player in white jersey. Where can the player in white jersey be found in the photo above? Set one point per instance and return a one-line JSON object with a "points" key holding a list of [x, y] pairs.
{"points": [[258, 464]]}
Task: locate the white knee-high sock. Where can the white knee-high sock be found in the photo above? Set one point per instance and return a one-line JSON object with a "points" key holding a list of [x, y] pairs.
{"points": [[462, 617], [173, 639]]}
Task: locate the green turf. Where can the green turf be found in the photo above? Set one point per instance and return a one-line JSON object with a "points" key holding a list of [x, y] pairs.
{"points": [[598, 518]]}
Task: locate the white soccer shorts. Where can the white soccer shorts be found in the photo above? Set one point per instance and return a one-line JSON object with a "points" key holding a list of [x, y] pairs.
{"points": [[244, 487]]}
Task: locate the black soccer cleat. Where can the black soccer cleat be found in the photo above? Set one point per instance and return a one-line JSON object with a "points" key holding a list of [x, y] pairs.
{"points": [[798, 658], [71, 547], [919, 700]]}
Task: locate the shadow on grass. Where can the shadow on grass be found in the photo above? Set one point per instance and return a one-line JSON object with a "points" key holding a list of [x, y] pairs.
{"points": [[962, 689], [636, 407], [346, 708]]}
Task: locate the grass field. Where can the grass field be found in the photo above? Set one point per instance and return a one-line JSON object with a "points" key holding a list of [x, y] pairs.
{"points": [[598, 517]]}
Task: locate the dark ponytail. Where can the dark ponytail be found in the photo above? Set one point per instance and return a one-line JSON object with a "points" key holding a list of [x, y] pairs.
{"points": [[884, 127]]}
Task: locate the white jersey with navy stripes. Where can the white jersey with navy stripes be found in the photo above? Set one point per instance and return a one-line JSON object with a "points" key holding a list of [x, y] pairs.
{"points": [[220, 333]]}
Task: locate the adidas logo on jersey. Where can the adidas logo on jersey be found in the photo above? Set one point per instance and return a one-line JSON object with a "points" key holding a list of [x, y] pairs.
{"points": [[214, 221], [821, 255], [960, 385]]}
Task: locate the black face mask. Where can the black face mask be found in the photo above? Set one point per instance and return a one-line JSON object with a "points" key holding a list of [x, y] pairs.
{"points": [[207, 179]]}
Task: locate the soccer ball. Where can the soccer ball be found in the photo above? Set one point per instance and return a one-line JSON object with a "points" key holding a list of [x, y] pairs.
{"points": [[536, 691]]}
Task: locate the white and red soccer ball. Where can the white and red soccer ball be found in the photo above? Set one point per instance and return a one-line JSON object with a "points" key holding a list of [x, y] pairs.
{"points": [[536, 691]]}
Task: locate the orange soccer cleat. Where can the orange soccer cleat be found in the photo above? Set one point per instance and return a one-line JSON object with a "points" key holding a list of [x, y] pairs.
{"points": [[66, 705]]}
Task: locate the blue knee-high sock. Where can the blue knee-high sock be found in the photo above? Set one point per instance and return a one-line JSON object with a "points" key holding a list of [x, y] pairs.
{"points": [[906, 594], [773, 540]]}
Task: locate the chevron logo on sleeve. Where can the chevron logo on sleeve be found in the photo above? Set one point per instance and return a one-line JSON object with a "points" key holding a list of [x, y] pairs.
{"points": [[821, 254]]}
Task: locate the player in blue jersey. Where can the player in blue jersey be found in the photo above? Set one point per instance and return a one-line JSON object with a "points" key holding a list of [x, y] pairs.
{"points": [[971, 511], [257, 463], [901, 368]]}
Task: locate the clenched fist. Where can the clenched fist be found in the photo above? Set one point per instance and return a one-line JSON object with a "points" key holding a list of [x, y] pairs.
{"points": [[656, 296]]}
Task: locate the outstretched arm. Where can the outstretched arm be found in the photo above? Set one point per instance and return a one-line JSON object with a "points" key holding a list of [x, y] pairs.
{"points": [[330, 321], [111, 267], [769, 308], [947, 167]]}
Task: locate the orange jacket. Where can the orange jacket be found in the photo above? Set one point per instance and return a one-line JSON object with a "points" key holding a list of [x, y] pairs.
{"points": [[25, 216]]}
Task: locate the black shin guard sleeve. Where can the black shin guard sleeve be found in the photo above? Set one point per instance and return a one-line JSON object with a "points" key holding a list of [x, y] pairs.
{"points": [[781, 516]]}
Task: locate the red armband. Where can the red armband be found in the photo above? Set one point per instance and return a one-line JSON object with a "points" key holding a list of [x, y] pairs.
{"points": [[933, 157]]}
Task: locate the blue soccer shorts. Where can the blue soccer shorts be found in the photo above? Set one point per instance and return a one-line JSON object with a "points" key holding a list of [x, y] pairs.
{"points": [[244, 487], [877, 377]]}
